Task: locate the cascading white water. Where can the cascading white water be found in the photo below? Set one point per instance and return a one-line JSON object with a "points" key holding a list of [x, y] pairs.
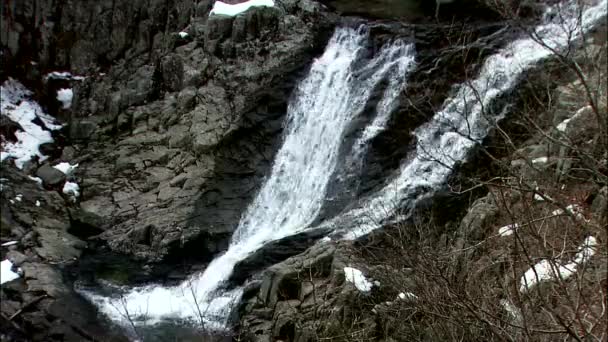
{"points": [[325, 102], [464, 121]]}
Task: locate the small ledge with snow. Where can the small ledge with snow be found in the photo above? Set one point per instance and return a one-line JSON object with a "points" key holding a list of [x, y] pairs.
{"points": [[222, 8]]}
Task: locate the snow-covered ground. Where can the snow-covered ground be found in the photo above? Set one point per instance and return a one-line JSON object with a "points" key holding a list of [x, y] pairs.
{"points": [[233, 10], [16, 103]]}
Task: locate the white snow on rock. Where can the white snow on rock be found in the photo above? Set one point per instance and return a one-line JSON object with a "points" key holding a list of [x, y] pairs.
{"points": [[356, 277], [37, 203], [19, 197], [66, 168], [38, 180], [10, 243], [548, 270], [16, 104], [63, 75], [233, 10], [407, 296], [573, 209], [183, 34], [65, 96], [563, 126], [508, 229], [71, 188], [6, 274], [541, 160]]}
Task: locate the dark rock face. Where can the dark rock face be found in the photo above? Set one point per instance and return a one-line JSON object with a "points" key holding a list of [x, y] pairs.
{"points": [[50, 176], [178, 130], [414, 10], [185, 163], [39, 221], [299, 296], [273, 253], [172, 133]]}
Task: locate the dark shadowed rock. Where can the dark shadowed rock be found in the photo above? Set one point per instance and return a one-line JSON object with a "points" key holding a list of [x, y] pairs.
{"points": [[50, 175], [273, 253]]}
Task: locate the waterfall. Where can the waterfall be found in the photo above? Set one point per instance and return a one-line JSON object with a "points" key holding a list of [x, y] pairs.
{"points": [[465, 119], [333, 95], [335, 92]]}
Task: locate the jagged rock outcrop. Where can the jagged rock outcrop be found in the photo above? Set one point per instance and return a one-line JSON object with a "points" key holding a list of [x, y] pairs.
{"points": [[299, 297], [177, 116], [40, 305]]}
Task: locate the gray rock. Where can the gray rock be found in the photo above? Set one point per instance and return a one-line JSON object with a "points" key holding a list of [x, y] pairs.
{"points": [[50, 176], [186, 100], [173, 72], [45, 278], [478, 218], [58, 246]]}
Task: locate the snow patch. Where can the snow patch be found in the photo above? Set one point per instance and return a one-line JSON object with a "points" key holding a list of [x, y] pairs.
{"points": [[16, 104], [407, 296], [62, 75], [541, 160], [183, 34], [233, 10], [38, 180], [6, 274], [10, 243], [37, 203], [356, 277], [548, 270], [508, 229], [71, 189], [66, 168], [563, 126], [65, 96]]}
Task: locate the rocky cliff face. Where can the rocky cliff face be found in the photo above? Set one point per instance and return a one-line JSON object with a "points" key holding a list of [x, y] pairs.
{"points": [[172, 97], [172, 126]]}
